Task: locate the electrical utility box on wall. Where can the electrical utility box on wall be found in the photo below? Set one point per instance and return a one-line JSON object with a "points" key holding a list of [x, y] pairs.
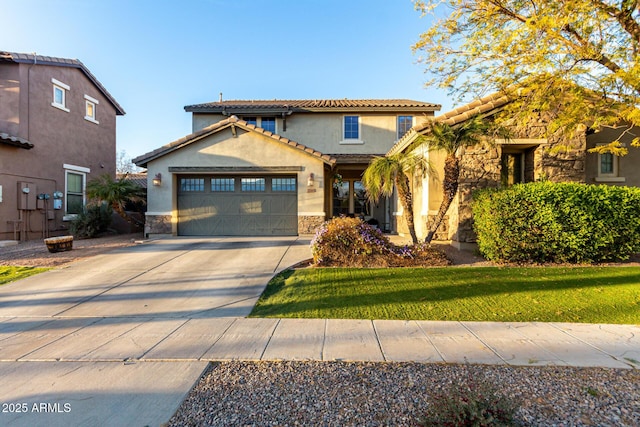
{"points": [[27, 196]]}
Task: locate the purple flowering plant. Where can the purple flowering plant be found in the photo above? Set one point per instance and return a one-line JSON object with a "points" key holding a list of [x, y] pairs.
{"points": [[352, 242]]}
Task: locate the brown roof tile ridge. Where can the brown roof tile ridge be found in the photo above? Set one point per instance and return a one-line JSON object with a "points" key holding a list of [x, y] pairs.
{"points": [[315, 103]]}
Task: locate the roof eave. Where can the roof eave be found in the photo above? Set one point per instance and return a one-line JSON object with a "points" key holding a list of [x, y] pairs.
{"points": [[280, 110], [486, 106], [70, 63], [14, 141]]}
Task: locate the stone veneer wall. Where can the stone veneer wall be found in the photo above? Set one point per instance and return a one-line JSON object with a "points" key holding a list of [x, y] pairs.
{"points": [[158, 224], [309, 224], [560, 159]]}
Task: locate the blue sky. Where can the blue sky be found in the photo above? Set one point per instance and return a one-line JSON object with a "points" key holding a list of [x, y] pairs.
{"points": [[156, 56]]}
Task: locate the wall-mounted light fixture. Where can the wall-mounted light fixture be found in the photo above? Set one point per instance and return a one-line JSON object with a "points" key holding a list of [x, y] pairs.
{"points": [[157, 180], [311, 180]]}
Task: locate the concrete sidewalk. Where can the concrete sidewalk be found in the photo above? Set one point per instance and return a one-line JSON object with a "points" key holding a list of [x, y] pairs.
{"points": [[121, 338], [138, 340]]}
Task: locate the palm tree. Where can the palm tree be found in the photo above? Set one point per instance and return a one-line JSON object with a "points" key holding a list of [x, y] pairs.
{"points": [[383, 173], [451, 139], [116, 193]]}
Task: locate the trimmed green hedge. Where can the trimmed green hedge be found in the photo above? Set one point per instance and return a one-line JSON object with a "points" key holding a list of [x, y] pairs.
{"points": [[558, 222]]}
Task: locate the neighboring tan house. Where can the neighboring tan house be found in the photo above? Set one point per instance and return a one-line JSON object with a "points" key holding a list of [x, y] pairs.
{"points": [[273, 167], [525, 157], [57, 131]]}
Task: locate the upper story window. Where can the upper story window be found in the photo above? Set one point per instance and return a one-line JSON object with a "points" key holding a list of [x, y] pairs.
{"points": [[351, 127], [404, 124], [90, 109], [60, 95], [351, 130], [266, 123], [269, 124]]}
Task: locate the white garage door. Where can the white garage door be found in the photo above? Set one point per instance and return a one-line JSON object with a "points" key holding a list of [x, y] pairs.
{"points": [[237, 205]]}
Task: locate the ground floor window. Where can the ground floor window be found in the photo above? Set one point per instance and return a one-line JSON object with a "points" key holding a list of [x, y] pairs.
{"points": [[75, 190], [350, 199]]}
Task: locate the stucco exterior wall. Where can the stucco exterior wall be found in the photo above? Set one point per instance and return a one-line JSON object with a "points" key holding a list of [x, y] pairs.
{"points": [[10, 94], [246, 150], [628, 172], [427, 195], [324, 131], [59, 138]]}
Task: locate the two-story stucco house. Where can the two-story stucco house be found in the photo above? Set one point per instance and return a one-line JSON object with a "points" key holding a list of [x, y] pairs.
{"points": [[273, 167], [57, 131]]}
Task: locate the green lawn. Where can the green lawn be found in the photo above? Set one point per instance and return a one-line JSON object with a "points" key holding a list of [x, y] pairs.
{"points": [[545, 294], [10, 274]]}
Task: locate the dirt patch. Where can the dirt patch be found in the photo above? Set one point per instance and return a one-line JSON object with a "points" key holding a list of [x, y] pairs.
{"points": [[34, 253]]}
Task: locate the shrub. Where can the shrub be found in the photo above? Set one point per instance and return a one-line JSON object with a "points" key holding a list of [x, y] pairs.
{"points": [[93, 220], [470, 404], [557, 222], [350, 242]]}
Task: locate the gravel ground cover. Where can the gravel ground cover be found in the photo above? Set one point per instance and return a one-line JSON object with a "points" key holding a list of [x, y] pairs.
{"points": [[396, 394], [34, 253]]}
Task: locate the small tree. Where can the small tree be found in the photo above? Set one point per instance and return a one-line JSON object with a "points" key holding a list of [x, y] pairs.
{"points": [[116, 193], [124, 165], [577, 59], [384, 172], [451, 139]]}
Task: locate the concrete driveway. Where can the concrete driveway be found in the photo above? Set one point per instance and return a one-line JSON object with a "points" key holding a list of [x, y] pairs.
{"points": [[73, 340]]}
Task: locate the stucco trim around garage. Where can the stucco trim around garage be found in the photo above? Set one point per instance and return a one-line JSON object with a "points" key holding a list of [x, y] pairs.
{"points": [[234, 169], [232, 122]]}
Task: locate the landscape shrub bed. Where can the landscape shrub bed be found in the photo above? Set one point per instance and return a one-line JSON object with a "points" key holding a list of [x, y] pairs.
{"points": [[351, 242], [92, 221], [557, 222]]}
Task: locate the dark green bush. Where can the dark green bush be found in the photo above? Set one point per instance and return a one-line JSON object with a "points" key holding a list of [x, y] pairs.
{"points": [[558, 222], [93, 220], [475, 403]]}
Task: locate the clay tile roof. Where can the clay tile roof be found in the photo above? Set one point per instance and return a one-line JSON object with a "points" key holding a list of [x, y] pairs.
{"points": [[310, 105], [5, 138], [485, 105], [139, 179], [30, 58], [223, 124], [479, 106]]}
